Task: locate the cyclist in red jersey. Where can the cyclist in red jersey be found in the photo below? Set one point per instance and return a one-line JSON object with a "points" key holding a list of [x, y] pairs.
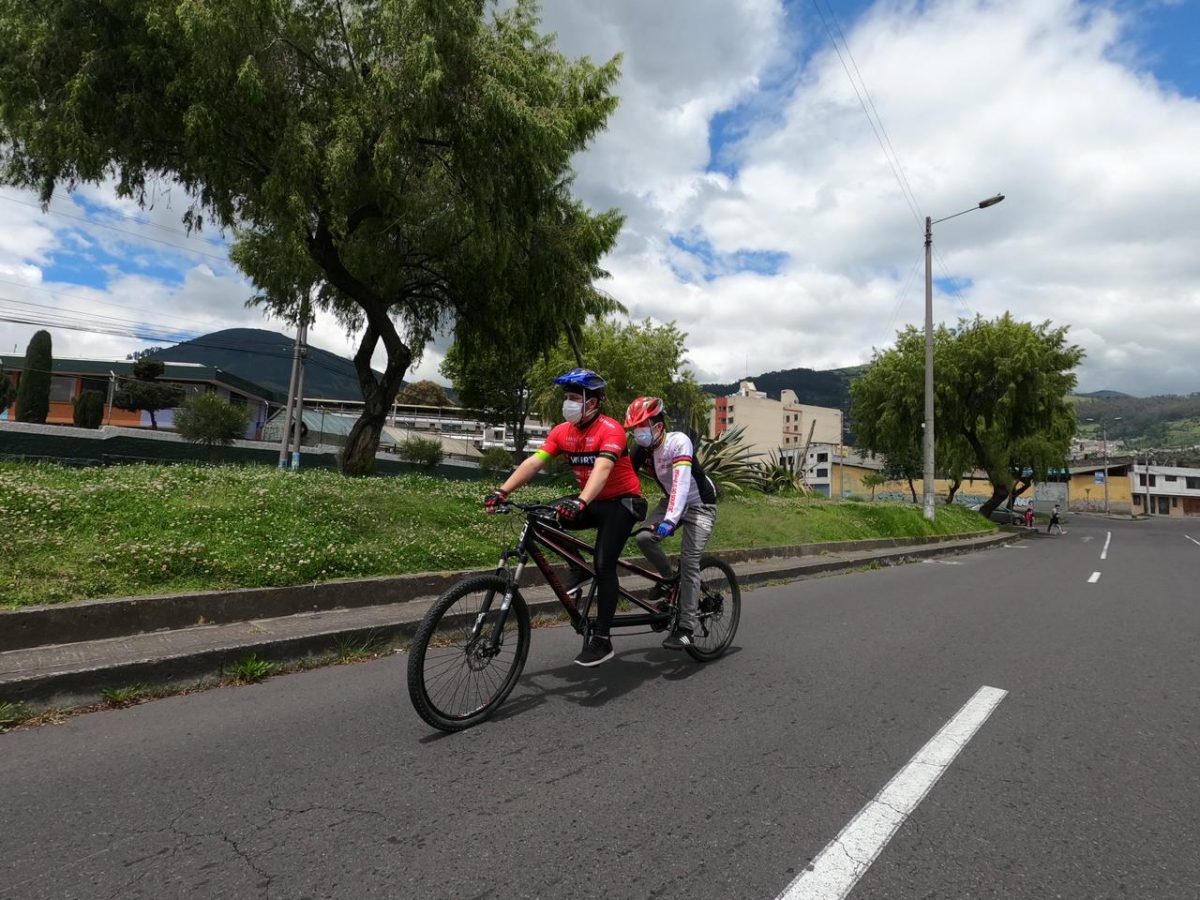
{"points": [[610, 493]]}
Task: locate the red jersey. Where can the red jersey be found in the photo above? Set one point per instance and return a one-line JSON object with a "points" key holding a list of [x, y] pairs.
{"points": [[604, 438]]}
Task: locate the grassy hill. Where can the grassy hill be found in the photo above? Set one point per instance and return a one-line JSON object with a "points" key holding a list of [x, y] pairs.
{"points": [[1166, 420]]}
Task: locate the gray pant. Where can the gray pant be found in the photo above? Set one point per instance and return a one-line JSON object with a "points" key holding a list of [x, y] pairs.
{"points": [[697, 524]]}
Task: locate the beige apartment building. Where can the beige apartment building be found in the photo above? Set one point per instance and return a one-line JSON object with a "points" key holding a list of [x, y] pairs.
{"points": [[775, 425]]}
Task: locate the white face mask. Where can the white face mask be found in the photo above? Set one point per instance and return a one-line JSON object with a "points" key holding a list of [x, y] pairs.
{"points": [[572, 411], [643, 437]]}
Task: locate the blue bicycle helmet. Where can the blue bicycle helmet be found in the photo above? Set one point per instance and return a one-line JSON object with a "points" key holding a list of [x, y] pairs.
{"points": [[584, 379]]}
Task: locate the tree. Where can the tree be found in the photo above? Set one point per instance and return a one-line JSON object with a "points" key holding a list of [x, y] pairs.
{"points": [[874, 480], [8, 393], [389, 162], [1001, 399], [210, 420], [33, 393], [145, 392], [637, 359], [423, 393], [89, 409], [886, 408], [496, 460], [422, 451]]}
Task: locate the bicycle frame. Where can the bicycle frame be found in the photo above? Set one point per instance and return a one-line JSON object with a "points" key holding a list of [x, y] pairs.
{"points": [[539, 534]]}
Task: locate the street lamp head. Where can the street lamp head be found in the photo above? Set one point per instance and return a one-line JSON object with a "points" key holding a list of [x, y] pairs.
{"points": [[990, 201]]}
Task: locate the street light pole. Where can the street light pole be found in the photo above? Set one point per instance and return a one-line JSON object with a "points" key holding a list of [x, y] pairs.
{"points": [[1104, 451], [928, 499]]}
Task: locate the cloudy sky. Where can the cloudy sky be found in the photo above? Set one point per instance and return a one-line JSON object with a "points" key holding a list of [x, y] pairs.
{"points": [[768, 214]]}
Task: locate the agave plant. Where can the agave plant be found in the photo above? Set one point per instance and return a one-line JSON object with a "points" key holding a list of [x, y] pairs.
{"points": [[731, 464], [780, 474]]}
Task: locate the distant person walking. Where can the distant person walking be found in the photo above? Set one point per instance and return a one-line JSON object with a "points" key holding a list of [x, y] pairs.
{"points": [[1054, 523], [1029, 516]]}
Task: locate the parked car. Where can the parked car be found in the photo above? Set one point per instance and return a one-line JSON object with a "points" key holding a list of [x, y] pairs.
{"points": [[1003, 515]]}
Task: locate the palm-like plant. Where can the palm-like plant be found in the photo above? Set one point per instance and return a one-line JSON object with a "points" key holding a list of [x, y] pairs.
{"points": [[780, 474], [731, 464]]}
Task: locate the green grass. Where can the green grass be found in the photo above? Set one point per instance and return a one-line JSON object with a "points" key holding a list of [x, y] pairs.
{"points": [[72, 534]]}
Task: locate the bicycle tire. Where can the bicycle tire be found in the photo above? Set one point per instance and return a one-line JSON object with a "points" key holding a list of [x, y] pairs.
{"points": [[441, 625], [720, 610]]}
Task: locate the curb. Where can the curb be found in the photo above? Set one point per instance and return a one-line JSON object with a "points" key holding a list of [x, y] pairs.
{"points": [[93, 620], [213, 650]]}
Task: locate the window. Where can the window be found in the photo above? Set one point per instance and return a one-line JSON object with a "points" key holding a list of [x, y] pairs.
{"points": [[1193, 484], [62, 388], [1142, 480], [822, 473], [100, 385], [822, 457], [1137, 499], [236, 399], [1169, 477]]}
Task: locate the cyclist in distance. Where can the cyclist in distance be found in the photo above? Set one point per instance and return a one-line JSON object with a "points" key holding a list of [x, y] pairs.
{"points": [[690, 499], [610, 494]]}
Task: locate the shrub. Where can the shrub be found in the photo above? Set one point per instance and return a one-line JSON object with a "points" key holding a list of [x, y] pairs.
{"points": [[730, 462], [33, 394], [420, 450], [209, 420], [89, 409], [496, 460]]}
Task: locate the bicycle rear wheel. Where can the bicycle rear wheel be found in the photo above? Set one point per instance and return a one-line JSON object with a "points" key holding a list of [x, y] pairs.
{"points": [[455, 680], [720, 610]]}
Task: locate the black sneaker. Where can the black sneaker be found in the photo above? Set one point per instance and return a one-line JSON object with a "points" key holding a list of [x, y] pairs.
{"points": [[595, 651], [679, 639]]}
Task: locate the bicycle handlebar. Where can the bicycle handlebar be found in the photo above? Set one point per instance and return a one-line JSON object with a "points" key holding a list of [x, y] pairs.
{"points": [[541, 509]]}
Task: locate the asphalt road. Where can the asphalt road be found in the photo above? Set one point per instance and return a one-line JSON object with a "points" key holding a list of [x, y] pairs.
{"points": [[653, 776]]}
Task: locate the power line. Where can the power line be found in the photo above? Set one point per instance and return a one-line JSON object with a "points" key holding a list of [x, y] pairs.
{"points": [[134, 234], [146, 333], [887, 155], [72, 296]]}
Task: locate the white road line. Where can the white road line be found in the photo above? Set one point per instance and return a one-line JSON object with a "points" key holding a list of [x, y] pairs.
{"points": [[1192, 539], [835, 871], [1095, 577], [1107, 541]]}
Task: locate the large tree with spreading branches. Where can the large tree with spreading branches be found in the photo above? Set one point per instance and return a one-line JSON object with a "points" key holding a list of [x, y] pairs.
{"points": [[1001, 395], [391, 162]]}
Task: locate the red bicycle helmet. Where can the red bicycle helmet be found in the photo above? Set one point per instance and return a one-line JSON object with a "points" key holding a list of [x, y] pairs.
{"points": [[642, 410]]}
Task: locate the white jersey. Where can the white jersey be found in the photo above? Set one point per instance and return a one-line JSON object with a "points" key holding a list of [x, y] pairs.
{"points": [[673, 472]]}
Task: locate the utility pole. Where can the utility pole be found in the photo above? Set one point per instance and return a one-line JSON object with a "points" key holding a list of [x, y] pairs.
{"points": [[112, 391], [295, 390], [291, 398], [1147, 485], [300, 391]]}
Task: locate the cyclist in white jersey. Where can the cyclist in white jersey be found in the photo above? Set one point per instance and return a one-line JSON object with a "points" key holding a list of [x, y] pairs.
{"points": [[690, 503]]}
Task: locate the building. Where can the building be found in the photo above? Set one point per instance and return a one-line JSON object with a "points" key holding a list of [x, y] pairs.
{"points": [[781, 426], [461, 432], [71, 377], [1164, 490]]}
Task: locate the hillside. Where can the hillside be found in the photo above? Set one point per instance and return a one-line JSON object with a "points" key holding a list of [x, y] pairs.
{"points": [[265, 358], [829, 387], [1166, 420]]}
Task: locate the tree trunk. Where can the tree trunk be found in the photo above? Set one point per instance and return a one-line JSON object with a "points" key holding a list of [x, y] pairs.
{"points": [[358, 456], [999, 495], [913, 488], [954, 486], [153, 420]]}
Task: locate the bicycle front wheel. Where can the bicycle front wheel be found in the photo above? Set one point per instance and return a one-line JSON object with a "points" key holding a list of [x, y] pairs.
{"points": [[720, 609], [456, 676]]}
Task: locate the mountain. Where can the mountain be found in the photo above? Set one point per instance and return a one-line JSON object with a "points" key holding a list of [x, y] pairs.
{"points": [[265, 358], [1106, 395], [829, 387]]}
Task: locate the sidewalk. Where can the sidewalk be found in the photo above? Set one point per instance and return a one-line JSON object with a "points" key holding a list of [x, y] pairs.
{"points": [[67, 655]]}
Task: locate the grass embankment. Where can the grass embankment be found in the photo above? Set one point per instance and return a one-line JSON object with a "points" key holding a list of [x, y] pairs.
{"points": [[73, 534]]}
